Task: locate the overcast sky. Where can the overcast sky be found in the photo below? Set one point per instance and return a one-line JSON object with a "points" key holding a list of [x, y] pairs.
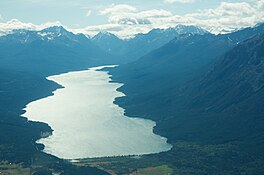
{"points": [[128, 17]]}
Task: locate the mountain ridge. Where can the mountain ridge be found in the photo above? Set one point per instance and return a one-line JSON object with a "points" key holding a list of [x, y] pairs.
{"points": [[203, 90], [131, 48]]}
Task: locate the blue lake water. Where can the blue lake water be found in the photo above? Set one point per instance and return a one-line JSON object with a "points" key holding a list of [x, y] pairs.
{"points": [[87, 123]]}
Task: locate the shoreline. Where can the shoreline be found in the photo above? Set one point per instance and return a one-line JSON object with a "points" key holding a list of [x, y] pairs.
{"points": [[113, 80], [100, 69]]}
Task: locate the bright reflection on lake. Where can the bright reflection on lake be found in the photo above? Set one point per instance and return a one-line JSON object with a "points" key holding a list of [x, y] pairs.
{"points": [[87, 124]]}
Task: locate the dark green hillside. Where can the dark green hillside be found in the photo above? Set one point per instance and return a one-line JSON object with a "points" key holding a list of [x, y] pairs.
{"points": [[212, 107], [151, 79], [233, 89], [235, 78]]}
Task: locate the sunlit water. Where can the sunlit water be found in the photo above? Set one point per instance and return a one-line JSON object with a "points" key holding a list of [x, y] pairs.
{"points": [[87, 124]]}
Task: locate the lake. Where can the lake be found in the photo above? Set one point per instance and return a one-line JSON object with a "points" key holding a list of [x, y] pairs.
{"points": [[87, 123]]}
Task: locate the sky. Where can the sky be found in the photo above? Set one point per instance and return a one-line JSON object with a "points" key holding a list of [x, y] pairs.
{"points": [[128, 17]]}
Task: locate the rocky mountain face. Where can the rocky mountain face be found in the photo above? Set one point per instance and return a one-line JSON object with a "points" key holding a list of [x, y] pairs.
{"points": [[136, 47], [51, 50]]}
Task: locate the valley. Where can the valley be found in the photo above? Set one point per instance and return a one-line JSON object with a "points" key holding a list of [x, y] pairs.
{"points": [[203, 91]]}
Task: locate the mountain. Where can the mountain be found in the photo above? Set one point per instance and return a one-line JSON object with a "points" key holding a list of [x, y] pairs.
{"points": [[230, 94], [49, 34], [223, 106], [246, 33], [237, 77], [108, 42], [26, 59], [162, 35], [131, 49], [42, 51], [166, 69], [172, 65], [183, 29], [204, 91], [55, 32]]}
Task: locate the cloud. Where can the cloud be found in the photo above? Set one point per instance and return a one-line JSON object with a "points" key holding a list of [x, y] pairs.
{"points": [[241, 9], [179, 1], [16, 24], [120, 8], [229, 16], [123, 31], [126, 21], [126, 14], [88, 13]]}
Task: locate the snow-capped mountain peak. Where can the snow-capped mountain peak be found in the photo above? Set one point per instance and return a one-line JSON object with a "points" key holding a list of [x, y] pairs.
{"points": [[184, 29], [104, 35], [55, 32], [48, 34]]}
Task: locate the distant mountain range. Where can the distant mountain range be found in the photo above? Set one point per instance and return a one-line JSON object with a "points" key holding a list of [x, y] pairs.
{"points": [[48, 51], [57, 42], [141, 44]]}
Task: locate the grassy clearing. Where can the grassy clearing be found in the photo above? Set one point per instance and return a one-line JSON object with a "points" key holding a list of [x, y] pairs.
{"points": [[129, 165], [159, 170], [13, 169]]}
